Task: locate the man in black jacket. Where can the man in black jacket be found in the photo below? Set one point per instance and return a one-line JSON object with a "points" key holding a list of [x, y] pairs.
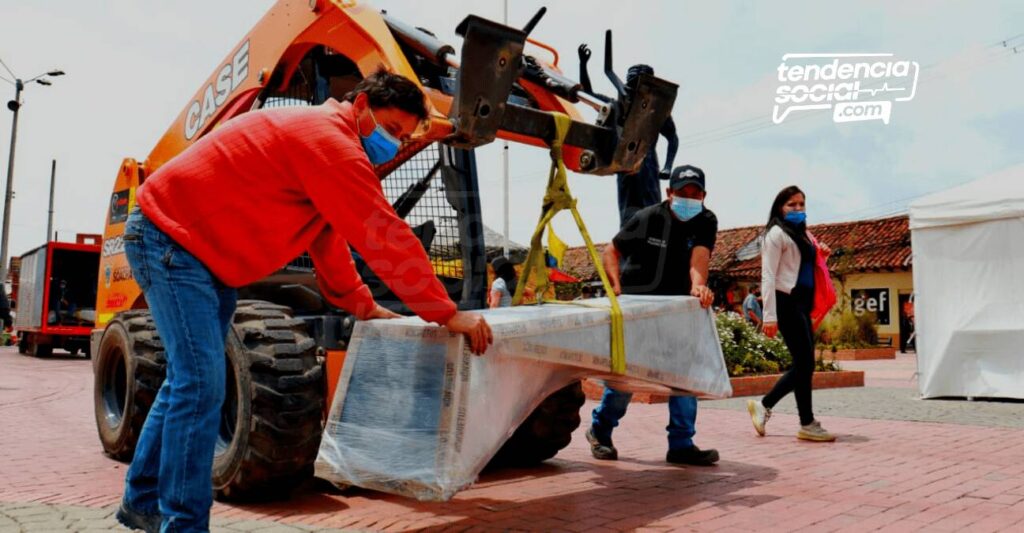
{"points": [[663, 249]]}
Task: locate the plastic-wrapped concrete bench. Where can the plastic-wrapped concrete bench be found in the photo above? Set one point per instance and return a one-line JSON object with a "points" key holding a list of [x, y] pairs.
{"points": [[416, 414]]}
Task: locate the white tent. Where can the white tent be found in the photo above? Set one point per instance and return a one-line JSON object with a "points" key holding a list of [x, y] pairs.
{"points": [[968, 245]]}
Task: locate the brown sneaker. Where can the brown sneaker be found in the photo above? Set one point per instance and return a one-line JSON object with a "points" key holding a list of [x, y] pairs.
{"points": [[759, 415], [814, 432], [604, 451]]}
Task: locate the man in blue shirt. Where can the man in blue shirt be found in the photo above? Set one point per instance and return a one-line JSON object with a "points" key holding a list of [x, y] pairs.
{"points": [[752, 308]]}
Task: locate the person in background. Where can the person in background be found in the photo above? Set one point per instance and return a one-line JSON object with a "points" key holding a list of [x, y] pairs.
{"points": [[505, 282], [787, 278], [504, 286], [752, 307], [5, 310], [666, 250]]}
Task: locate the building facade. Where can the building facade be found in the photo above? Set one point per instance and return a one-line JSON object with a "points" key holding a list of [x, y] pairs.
{"points": [[871, 266]]}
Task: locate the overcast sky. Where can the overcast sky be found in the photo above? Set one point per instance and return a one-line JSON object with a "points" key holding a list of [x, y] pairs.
{"points": [[132, 66]]}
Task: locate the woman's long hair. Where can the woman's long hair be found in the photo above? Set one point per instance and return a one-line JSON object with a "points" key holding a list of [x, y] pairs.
{"points": [[777, 218], [506, 271]]}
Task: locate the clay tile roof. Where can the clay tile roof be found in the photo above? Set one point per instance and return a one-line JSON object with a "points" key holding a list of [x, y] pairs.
{"points": [[864, 245], [577, 263]]}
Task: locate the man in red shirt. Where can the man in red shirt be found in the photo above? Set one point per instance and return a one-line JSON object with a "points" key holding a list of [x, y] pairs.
{"points": [[231, 209]]}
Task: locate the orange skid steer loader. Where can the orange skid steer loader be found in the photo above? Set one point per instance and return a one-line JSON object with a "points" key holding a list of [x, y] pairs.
{"points": [[285, 353]]}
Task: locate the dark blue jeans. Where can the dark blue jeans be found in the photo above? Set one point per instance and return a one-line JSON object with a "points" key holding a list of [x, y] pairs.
{"points": [[682, 417], [192, 311]]}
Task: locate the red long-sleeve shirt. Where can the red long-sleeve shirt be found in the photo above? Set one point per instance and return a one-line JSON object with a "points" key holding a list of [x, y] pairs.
{"points": [[258, 191]]}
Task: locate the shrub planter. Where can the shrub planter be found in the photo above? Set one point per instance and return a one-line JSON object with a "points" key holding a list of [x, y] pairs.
{"points": [[746, 385], [760, 385], [859, 354]]}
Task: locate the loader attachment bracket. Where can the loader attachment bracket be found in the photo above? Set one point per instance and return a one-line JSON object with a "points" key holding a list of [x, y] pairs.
{"points": [[648, 109], [617, 145], [492, 59]]}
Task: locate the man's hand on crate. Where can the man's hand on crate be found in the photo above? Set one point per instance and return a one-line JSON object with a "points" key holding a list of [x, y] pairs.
{"points": [[381, 312], [475, 328]]}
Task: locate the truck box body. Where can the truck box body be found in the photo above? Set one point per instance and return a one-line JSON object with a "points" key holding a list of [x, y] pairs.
{"points": [[57, 289]]}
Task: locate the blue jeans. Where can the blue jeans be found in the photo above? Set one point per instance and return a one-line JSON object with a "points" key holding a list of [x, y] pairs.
{"points": [[192, 311], [682, 417]]}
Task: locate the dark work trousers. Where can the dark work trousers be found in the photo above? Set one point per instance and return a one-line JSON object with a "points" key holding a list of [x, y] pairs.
{"points": [[794, 314]]}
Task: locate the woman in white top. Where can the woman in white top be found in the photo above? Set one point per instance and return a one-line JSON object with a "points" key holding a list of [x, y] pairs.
{"points": [[788, 258], [504, 285]]}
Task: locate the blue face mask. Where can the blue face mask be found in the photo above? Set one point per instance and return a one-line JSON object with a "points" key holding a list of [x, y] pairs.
{"points": [[380, 145], [686, 208], [796, 217]]}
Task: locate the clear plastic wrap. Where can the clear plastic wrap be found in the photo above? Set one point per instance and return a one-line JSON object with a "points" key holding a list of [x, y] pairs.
{"points": [[416, 414]]}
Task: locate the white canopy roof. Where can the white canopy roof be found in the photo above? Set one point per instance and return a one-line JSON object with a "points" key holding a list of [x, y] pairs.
{"points": [[996, 196]]}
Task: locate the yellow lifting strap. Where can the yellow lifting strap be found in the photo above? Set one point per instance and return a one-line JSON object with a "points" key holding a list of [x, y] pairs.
{"points": [[557, 198]]}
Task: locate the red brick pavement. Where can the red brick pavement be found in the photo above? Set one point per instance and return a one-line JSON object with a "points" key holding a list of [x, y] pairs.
{"points": [[880, 475], [899, 373]]}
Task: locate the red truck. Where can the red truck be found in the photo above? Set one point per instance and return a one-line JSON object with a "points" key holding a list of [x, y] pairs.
{"points": [[55, 296]]}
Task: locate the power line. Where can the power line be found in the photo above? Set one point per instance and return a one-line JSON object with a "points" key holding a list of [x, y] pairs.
{"points": [[1005, 42], [8, 69], [755, 124], [897, 201], [708, 132], [767, 124], [744, 127]]}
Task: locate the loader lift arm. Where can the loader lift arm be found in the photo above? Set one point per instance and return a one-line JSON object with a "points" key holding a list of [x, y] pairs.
{"points": [[493, 91]]}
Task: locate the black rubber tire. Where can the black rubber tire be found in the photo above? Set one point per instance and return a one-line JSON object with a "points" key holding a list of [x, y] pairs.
{"points": [[41, 350], [545, 432], [23, 343], [129, 370], [272, 419]]}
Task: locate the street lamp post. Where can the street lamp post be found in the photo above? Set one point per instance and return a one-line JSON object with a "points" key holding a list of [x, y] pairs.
{"points": [[15, 106]]}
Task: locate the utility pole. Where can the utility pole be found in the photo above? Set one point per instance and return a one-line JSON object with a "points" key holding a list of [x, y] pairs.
{"points": [[49, 220], [504, 153], [15, 106]]}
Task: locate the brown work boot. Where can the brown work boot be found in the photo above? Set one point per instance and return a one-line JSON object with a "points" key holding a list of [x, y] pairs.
{"points": [[133, 519], [692, 456]]}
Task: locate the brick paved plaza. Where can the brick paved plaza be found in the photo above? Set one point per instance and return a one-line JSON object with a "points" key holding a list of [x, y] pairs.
{"points": [[900, 464]]}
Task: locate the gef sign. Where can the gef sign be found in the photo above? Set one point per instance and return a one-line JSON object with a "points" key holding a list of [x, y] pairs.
{"points": [[872, 301]]}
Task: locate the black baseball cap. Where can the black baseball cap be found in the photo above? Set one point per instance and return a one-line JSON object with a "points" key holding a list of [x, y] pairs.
{"points": [[685, 175]]}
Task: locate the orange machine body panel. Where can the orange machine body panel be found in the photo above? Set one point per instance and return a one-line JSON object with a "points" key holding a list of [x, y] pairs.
{"points": [[277, 43]]}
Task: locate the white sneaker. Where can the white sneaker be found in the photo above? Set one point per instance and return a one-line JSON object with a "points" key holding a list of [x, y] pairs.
{"points": [[759, 415], [814, 432]]}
